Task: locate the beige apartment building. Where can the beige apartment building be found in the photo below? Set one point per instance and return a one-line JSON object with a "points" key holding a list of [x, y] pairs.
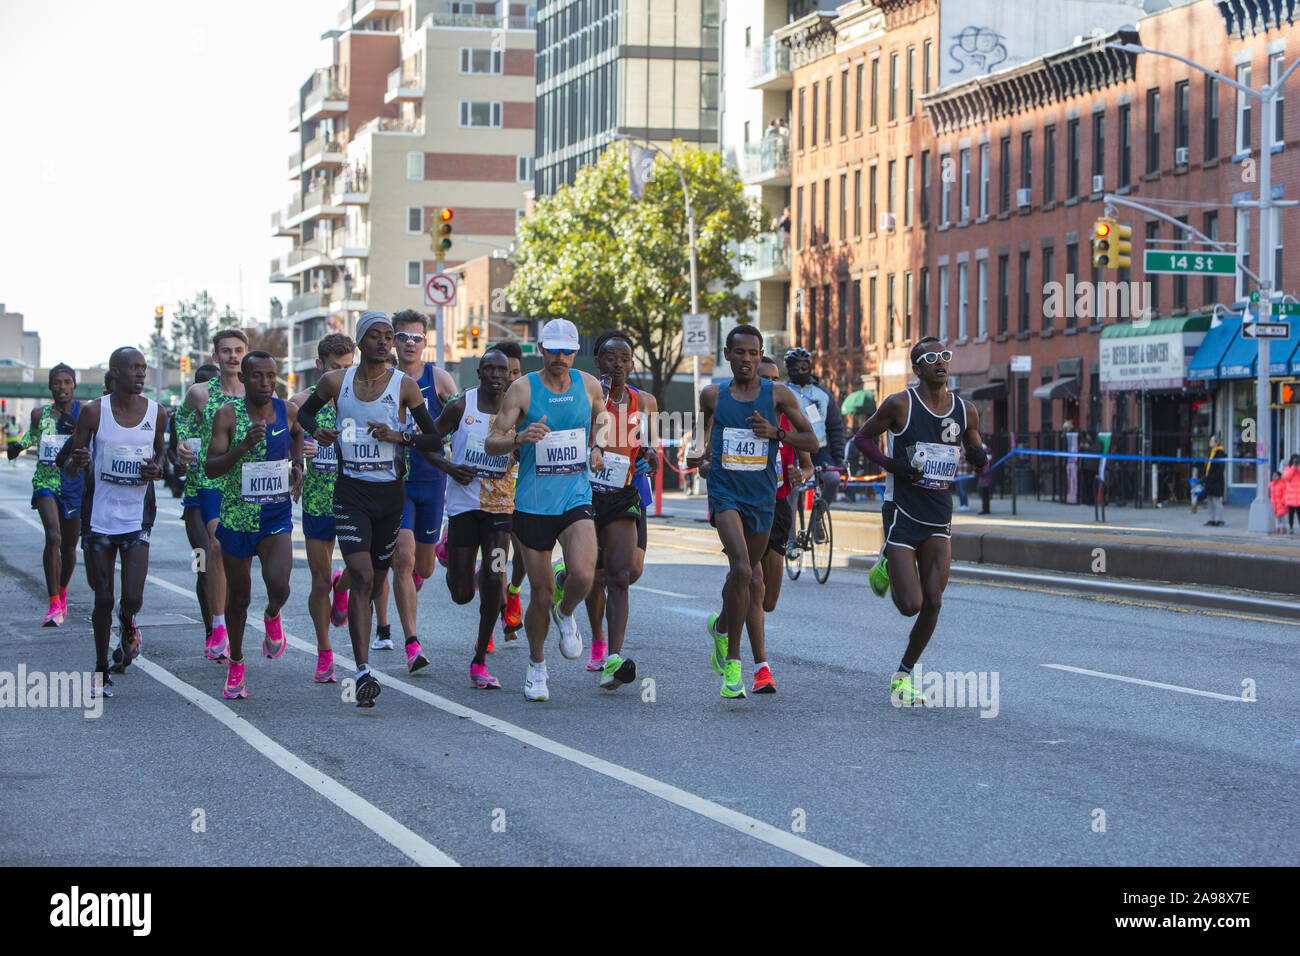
{"points": [[427, 104]]}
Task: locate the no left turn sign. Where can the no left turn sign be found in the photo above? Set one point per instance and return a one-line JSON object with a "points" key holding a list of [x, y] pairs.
{"points": [[439, 289]]}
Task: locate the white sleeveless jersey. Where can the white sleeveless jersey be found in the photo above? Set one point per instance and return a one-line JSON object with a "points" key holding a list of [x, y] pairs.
{"points": [[493, 489], [119, 454], [363, 457]]}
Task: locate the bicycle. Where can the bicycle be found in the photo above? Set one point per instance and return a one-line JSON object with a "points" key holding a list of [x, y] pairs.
{"points": [[814, 534]]}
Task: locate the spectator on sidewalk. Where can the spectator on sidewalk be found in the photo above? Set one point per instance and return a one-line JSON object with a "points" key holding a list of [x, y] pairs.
{"points": [[961, 484], [1277, 495], [686, 475], [1291, 479], [986, 483], [1214, 481]]}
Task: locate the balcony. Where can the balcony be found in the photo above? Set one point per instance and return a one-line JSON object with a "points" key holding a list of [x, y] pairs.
{"points": [[295, 164], [295, 118], [374, 10], [352, 187], [770, 256], [322, 153], [316, 203], [308, 305], [476, 21], [276, 274], [766, 163], [278, 229], [351, 243], [323, 102], [389, 124], [768, 66], [404, 87]]}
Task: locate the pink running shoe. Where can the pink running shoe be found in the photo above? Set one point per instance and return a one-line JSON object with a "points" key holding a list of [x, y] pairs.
{"points": [[217, 647], [419, 581], [52, 616], [234, 682], [325, 668], [440, 549], [597, 661], [339, 612], [414, 659], [481, 679], [274, 643]]}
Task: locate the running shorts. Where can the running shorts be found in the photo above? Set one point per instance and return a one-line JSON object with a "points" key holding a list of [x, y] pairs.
{"points": [[367, 517]]}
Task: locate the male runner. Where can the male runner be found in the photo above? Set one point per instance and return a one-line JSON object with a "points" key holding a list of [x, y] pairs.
{"points": [[228, 348], [774, 557], [741, 445], [55, 497], [926, 425], [328, 600], [616, 500], [129, 432], [480, 500], [823, 411], [426, 485], [256, 445], [558, 406], [373, 400], [183, 447], [512, 615]]}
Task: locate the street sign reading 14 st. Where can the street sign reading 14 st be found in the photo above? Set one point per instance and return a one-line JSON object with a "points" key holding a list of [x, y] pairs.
{"points": [[1190, 263]]}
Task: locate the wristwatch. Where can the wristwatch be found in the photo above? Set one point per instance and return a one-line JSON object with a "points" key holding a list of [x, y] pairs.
{"points": [[781, 434]]}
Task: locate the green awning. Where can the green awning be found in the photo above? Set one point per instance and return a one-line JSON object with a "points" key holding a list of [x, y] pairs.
{"points": [[861, 402], [1186, 323]]}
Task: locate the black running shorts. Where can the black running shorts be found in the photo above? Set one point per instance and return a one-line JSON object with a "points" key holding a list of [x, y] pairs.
{"points": [[540, 532], [367, 517], [782, 519], [470, 529], [906, 532]]}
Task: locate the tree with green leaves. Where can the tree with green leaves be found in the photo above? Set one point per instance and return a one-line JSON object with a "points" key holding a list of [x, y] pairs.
{"points": [[593, 254]]}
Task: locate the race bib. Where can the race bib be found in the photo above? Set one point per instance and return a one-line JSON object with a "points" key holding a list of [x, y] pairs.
{"points": [[264, 482], [562, 453], [122, 464], [742, 450], [367, 455], [812, 411], [938, 464], [614, 475], [326, 460], [51, 445], [488, 466]]}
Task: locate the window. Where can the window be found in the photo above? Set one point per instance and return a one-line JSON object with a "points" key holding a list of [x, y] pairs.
{"points": [[1274, 74], [1045, 413], [798, 218], [907, 306], [1153, 131], [1180, 281], [1211, 118], [891, 181], [1099, 144], [826, 211], [925, 188], [414, 220], [842, 329], [984, 180], [1072, 160], [871, 311], [1071, 269], [524, 169], [1243, 111], [812, 214], [923, 317], [481, 61], [414, 268], [1277, 246], [927, 54], [943, 303], [857, 105], [1024, 292], [1210, 293], [964, 185], [812, 318], [415, 165], [857, 313], [1153, 232], [1049, 164], [844, 206], [812, 129], [480, 115], [1182, 107], [1004, 292], [889, 308], [963, 294], [872, 209], [802, 91], [1242, 238], [844, 103], [1004, 175], [907, 191], [945, 191], [1026, 160], [875, 92], [1049, 272], [826, 135], [909, 106], [893, 87], [857, 202], [982, 288], [1125, 146]]}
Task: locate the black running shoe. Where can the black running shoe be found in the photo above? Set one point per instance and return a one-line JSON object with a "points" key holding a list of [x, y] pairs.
{"points": [[367, 690]]}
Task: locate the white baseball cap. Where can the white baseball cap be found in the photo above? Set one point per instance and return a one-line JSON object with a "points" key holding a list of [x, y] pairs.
{"points": [[559, 334]]}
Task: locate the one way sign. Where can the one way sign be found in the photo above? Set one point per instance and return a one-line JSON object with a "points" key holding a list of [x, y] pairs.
{"points": [[1266, 330]]}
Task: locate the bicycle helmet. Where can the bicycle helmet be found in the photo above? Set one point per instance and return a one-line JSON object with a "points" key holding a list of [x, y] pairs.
{"points": [[797, 353]]}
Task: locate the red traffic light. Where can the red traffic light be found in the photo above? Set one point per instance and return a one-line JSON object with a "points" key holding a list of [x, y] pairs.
{"points": [[474, 331], [1103, 230], [446, 215], [1289, 393]]}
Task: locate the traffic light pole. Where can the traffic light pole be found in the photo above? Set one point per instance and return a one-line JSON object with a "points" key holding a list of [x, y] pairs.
{"points": [[438, 330]]}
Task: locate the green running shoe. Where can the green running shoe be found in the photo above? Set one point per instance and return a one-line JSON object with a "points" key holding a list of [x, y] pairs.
{"points": [[733, 682], [617, 672], [903, 692], [559, 589], [879, 576], [719, 644]]}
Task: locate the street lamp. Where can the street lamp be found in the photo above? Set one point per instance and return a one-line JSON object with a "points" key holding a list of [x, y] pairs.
{"points": [[1261, 510]]}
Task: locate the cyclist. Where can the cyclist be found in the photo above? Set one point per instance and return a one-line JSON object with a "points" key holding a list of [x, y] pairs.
{"points": [[821, 409]]}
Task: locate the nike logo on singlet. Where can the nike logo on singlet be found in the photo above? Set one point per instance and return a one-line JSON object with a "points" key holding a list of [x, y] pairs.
{"points": [[280, 432]]}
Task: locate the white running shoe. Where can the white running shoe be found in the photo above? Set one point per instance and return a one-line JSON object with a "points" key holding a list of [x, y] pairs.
{"points": [[378, 643], [570, 639], [535, 683]]}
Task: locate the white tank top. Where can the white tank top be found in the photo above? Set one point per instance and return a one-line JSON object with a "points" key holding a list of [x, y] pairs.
{"points": [[494, 488], [363, 457], [119, 453]]}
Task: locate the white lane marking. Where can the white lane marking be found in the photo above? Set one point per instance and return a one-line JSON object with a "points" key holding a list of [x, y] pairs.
{"points": [[1149, 683], [642, 587], [813, 852], [688, 611], [360, 809]]}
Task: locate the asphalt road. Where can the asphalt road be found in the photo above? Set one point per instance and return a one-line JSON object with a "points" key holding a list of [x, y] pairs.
{"points": [[1106, 712]]}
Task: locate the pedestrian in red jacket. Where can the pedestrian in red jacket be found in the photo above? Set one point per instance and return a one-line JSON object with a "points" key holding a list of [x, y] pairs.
{"points": [[1291, 476], [1277, 495]]}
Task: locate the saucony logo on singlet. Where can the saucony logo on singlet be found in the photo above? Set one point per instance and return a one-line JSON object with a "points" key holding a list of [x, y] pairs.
{"points": [[560, 398]]}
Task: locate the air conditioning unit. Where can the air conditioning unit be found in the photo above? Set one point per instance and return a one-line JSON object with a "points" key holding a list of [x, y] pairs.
{"points": [[1098, 183], [1022, 197], [1181, 156], [887, 222]]}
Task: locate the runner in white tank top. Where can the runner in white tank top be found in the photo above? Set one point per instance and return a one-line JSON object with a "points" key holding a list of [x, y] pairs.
{"points": [[130, 434]]}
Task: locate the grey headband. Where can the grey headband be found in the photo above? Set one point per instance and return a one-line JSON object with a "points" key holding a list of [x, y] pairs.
{"points": [[371, 318]]}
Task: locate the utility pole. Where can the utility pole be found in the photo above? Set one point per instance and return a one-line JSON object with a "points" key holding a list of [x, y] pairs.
{"points": [[158, 351]]}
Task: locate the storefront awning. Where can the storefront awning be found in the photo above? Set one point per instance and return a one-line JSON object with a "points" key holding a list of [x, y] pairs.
{"points": [[1205, 363], [1241, 359], [989, 391], [861, 402], [1283, 357], [1149, 355], [1066, 387]]}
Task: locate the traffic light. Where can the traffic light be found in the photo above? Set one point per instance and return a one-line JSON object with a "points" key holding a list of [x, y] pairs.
{"points": [[185, 365], [158, 317], [1103, 233], [460, 339], [293, 382], [1121, 256], [441, 234], [1286, 393], [475, 337]]}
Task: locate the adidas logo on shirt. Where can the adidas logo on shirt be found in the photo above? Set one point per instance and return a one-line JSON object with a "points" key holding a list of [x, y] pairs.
{"points": [[146, 427], [388, 400]]}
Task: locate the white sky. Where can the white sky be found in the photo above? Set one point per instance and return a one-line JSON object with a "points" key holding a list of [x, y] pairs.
{"points": [[146, 146]]}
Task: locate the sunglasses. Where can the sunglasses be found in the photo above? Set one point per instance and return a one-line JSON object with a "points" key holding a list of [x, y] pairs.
{"points": [[409, 336], [930, 358], [562, 351]]}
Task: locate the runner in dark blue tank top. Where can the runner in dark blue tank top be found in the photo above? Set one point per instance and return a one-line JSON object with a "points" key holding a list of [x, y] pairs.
{"points": [[740, 447], [926, 427]]}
